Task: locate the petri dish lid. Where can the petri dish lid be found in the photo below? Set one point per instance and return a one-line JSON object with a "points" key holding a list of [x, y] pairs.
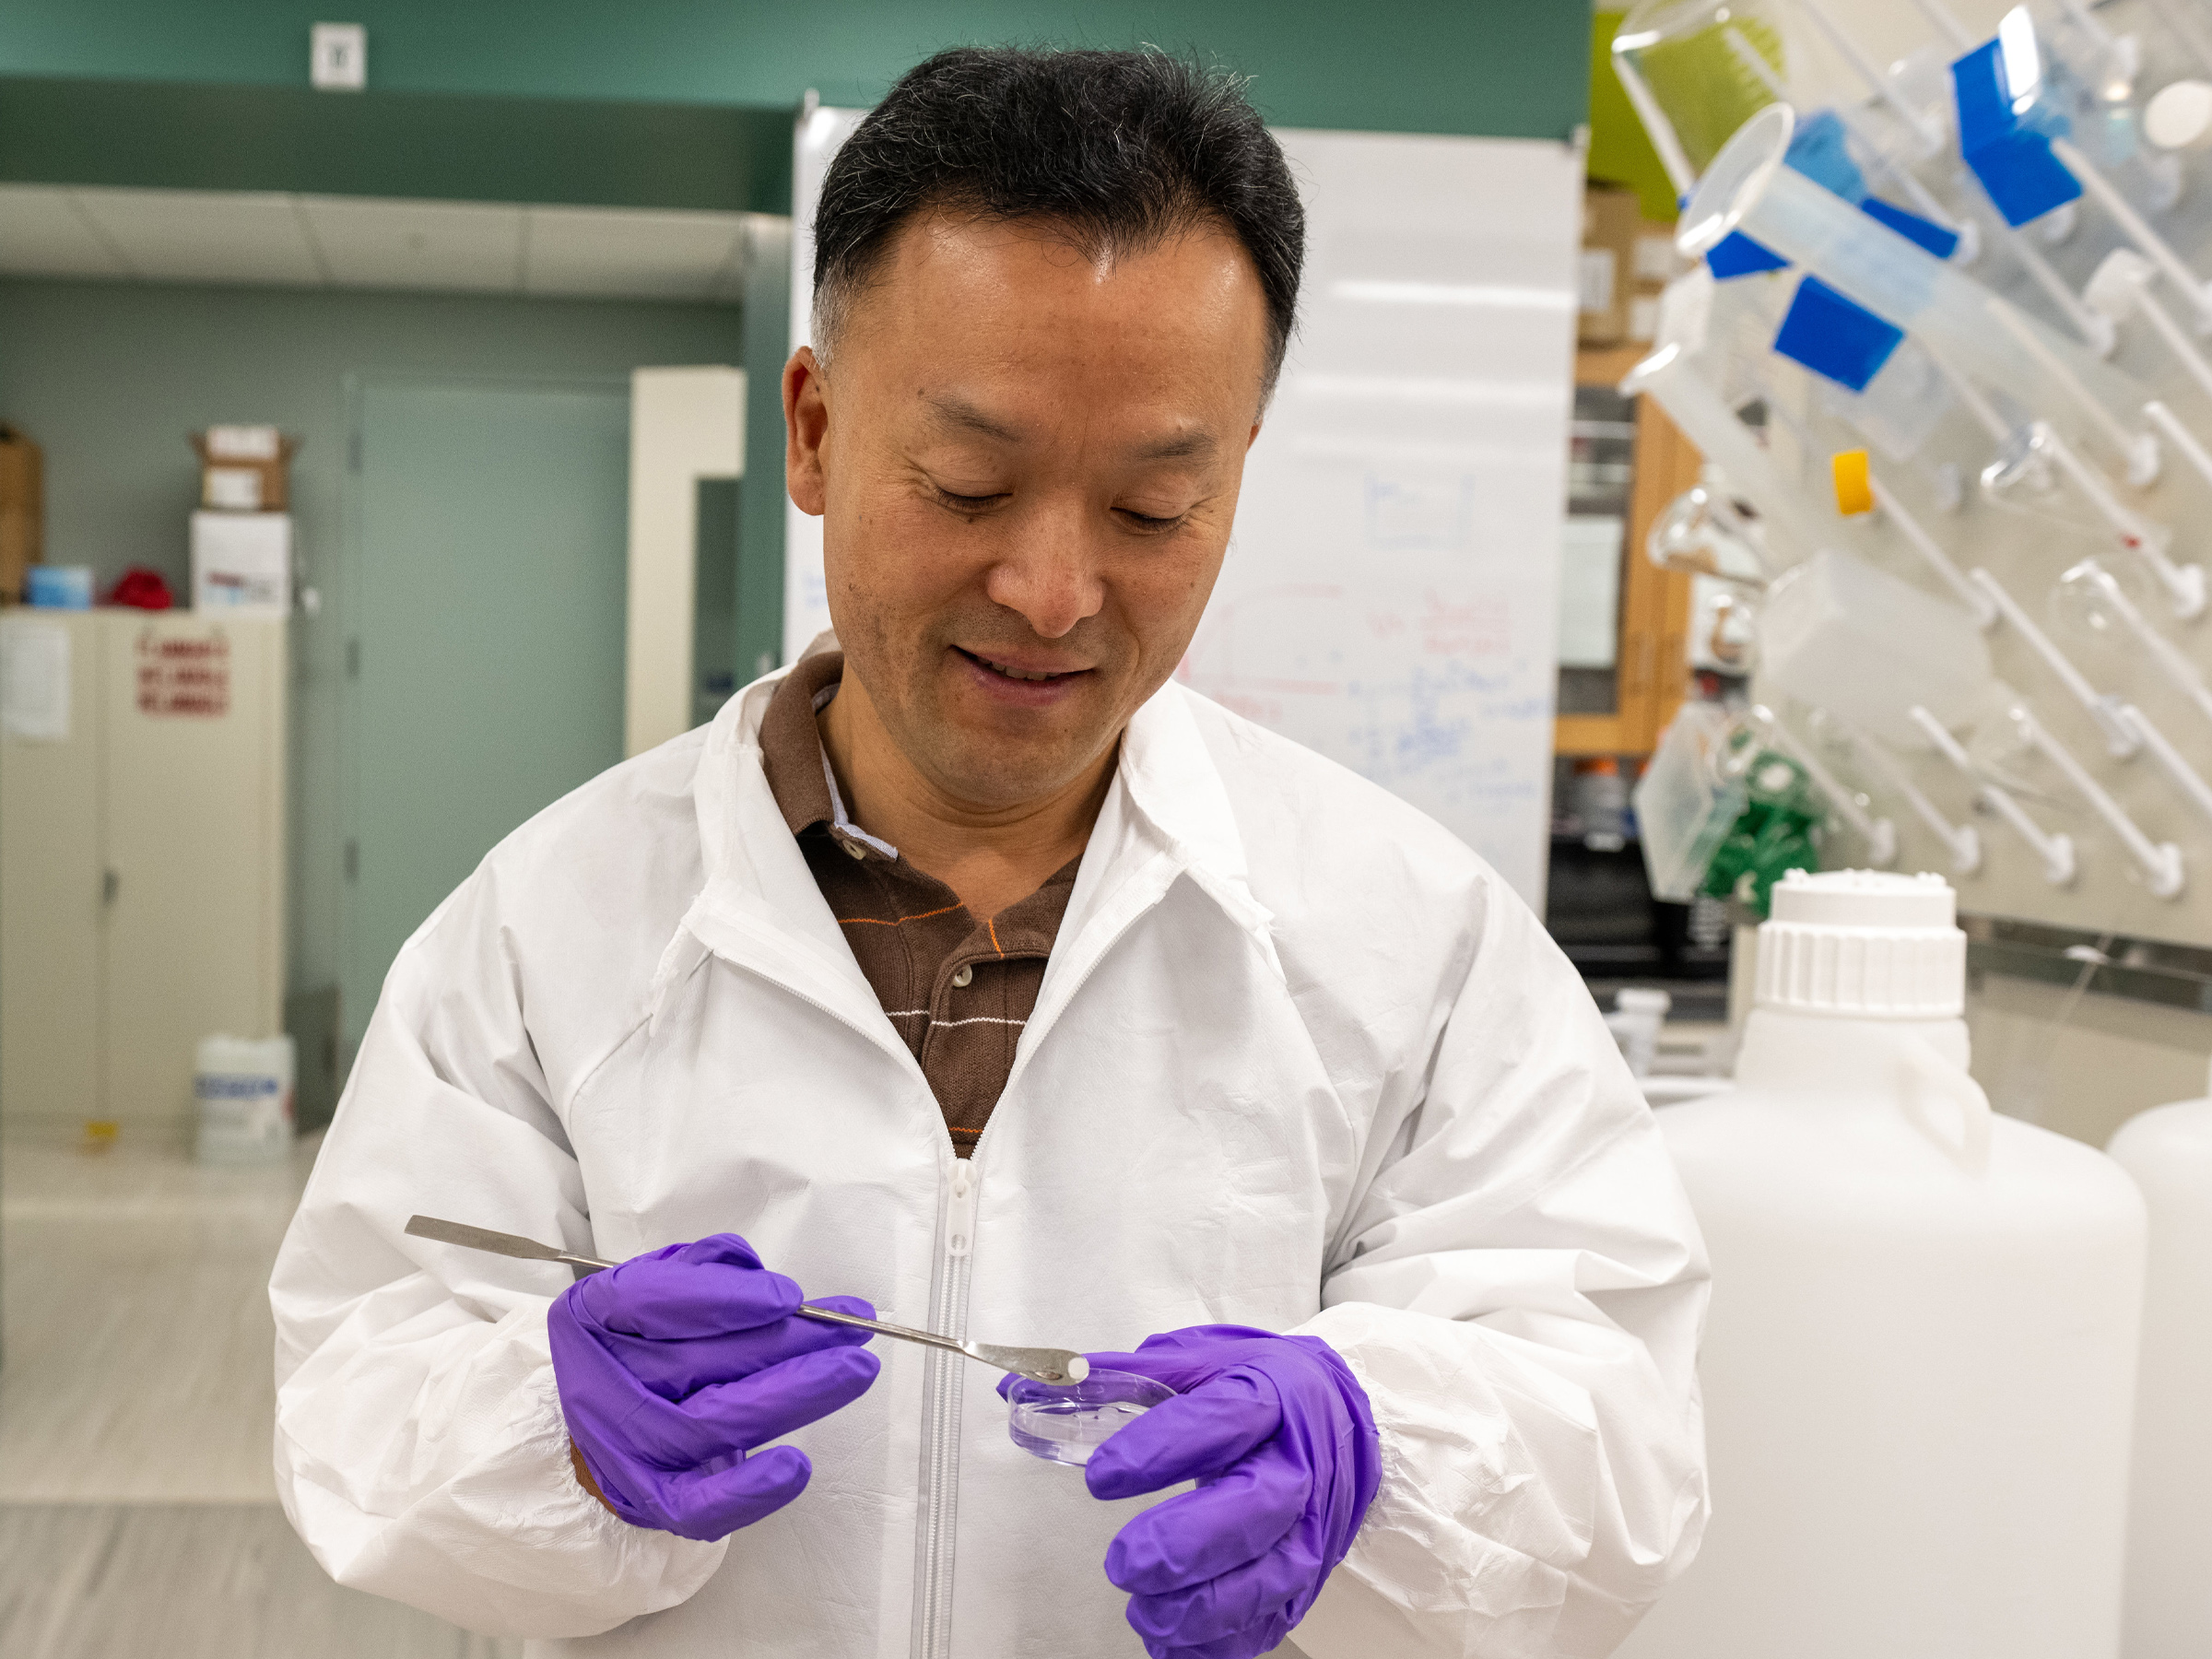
{"points": [[1067, 1423]]}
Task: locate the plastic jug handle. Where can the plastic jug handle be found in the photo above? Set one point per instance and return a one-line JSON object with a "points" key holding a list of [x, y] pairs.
{"points": [[1928, 1080]]}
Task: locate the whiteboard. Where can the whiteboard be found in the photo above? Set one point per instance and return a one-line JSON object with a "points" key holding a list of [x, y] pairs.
{"points": [[1391, 594], [817, 138]]}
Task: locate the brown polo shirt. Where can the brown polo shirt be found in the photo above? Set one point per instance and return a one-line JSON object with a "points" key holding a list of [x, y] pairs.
{"points": [[958, 987]]}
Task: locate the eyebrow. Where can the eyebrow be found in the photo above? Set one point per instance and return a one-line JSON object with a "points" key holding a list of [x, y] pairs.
{"points": [[952, 410], [1184, 446]]}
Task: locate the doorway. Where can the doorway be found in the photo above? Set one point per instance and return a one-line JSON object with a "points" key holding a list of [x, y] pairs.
{"points": [[485, 589]]}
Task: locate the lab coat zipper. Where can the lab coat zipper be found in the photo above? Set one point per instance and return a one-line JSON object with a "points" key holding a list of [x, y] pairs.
{"points": [[943, 1384], [934, 1563], [945, 1373], [942, 1374]]}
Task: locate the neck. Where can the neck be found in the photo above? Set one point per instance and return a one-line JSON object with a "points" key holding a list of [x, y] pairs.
{"points": [[990, 856]]}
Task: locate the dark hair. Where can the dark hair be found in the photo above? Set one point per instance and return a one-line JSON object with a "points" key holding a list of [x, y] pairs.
{"points": [[1117, 150]]}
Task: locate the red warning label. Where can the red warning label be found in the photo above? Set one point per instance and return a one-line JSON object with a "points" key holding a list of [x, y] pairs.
{"points": [[185, 676]]}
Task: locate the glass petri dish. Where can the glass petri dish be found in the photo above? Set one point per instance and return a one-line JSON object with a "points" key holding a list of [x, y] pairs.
{"points": [[1066, 1424]]}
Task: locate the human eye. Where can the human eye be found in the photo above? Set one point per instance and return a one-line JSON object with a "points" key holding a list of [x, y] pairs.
{"points": [[1147, 523], [968, 506]]}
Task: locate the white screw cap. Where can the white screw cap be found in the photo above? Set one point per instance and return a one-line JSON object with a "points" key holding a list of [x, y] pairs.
{"points": [[2180, 116], [1863, 945]]}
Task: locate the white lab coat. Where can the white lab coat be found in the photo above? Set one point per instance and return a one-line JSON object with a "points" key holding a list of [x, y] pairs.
{"points": [[1300, 1059]]}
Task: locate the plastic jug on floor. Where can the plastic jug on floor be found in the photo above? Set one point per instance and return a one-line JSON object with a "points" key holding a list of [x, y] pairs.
{"points": [[1921, 1362], [2169, 1151], [244, 1087]]}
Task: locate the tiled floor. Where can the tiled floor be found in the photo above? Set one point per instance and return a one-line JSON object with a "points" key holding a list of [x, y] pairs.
{"points": [[138, 1516], [181, 1580]]}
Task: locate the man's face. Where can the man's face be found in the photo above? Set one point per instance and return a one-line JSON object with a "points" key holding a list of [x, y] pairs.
{"points": [[1027, 462]]}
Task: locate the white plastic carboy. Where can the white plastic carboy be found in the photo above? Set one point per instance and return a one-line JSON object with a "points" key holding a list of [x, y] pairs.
{"points": [[2169, 1151], [1921, 1358]]}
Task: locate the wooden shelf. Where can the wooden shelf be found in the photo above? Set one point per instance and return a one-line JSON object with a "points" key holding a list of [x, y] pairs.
{"points": [[1653, 665], [1608, 365]]}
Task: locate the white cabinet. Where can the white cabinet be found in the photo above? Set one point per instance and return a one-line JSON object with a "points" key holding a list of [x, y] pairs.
{"points": [[141, 866]]}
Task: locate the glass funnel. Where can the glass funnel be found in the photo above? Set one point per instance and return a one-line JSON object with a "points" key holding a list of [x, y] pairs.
{"points": [[1706, 532]]}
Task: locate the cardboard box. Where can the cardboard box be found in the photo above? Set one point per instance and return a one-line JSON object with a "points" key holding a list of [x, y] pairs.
{"points": [[1657, 263], [22, 510], [242, 563], [1605, 275], [244, 469]]}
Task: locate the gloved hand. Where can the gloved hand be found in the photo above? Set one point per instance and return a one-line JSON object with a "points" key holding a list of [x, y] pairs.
{"points": [[676, 1365], [1280, 1438]]}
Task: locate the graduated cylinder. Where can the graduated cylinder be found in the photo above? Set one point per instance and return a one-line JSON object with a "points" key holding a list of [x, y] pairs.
{"points": [[1921, 1361]]}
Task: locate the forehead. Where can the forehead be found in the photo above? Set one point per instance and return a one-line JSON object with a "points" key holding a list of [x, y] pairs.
{"points": [[1042, 290]]}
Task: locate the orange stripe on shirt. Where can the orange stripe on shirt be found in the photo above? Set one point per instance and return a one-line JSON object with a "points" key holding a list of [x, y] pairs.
{"points": [[877, 922], [992, 925]]}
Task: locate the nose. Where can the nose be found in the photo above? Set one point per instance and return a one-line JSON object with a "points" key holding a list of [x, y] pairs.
{"points": [[1050, 575]]}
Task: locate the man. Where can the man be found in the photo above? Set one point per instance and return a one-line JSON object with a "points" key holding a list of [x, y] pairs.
{"points": [[975, 972]]}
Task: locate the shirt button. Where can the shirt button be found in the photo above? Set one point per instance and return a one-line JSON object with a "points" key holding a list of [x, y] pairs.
{"points": [[964, 975], [855, 848]]}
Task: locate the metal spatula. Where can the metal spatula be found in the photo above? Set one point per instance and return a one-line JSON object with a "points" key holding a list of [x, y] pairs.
{"points": [[1055, 1365]]}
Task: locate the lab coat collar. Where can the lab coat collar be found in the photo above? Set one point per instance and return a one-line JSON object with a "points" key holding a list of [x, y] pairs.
{"points": [[1167, 815], [760, 907], [1171, 779]]}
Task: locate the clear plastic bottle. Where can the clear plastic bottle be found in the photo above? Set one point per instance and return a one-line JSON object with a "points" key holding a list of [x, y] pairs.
{"points": [[1921, 1361], [2169, 1151]]}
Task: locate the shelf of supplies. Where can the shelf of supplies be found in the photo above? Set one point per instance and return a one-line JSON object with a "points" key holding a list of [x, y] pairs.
{"points": [[1652, 672]]}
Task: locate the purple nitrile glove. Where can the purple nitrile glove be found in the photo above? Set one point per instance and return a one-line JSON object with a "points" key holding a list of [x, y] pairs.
{"points": [[1279, 1436], [676, 1365]]}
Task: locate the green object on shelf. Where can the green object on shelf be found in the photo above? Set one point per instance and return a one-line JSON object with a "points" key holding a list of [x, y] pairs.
{"points": [[1777, 832], [1619, 152]]}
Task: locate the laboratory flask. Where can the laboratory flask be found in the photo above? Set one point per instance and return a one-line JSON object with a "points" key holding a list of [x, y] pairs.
{"points": [[1921, 1361], [2169, 1151]]}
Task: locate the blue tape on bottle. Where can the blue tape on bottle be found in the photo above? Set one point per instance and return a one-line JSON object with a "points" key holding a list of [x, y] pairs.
{"points": [[2006, 144], [1737, 255], [2022, 177], [1818, 149], [1983, 96], [1927, 233], [1835, 336]]}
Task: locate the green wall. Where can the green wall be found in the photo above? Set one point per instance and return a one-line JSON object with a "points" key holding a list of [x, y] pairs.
{"points": [[177, 136], [1506, 67], [109, 377]]}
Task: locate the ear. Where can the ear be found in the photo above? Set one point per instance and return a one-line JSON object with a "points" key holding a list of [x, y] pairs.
{"points": [[806, 432]]}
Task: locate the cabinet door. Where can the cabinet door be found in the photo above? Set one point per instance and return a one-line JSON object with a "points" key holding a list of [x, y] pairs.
{"points": [[50, 876], [193, 711]]}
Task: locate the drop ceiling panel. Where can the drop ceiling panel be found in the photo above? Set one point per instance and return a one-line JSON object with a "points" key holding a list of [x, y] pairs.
{"points": [[602, 251], [206, 236], [452, 245], [42, 234], [369, 242]]}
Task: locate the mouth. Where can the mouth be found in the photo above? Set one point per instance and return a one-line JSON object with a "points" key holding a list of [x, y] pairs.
{"points": [[1012, 671]]}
